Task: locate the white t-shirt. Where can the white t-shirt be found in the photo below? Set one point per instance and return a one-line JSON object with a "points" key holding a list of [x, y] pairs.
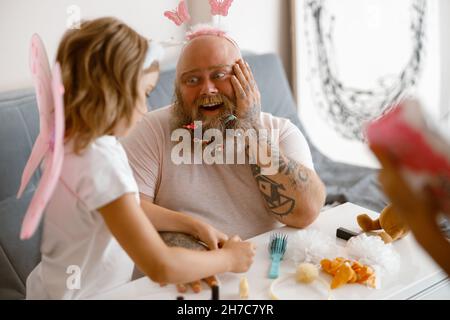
{"points": [[225, 195], [80, 257]]}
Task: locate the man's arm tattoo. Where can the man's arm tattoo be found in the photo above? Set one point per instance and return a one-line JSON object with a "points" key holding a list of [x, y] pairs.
{"points": [[298, 174], [274, 193], [278, 203]]}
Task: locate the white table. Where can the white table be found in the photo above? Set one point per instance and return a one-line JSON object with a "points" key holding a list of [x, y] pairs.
{"points": [[419, 276]]}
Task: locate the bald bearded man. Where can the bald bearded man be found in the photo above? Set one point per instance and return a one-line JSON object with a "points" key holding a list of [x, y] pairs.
{"points": [[215, 87]]}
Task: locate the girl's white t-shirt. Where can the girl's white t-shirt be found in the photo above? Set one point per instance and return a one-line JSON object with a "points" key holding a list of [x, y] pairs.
{"points": [[80, 257]]}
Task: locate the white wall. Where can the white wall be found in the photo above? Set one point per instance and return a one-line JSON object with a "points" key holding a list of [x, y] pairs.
{"points": [[19, 19], [262, 26]]}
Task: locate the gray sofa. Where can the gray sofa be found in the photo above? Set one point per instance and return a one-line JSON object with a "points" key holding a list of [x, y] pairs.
{"points": [[19, 128]]}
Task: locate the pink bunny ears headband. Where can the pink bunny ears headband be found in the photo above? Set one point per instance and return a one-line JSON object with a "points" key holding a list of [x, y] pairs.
{"points": [[181, 13], [218, 8]]}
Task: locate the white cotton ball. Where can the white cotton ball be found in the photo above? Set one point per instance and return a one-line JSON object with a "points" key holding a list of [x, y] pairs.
{"points": [[306, 273], [311, 246], [371, 250]]}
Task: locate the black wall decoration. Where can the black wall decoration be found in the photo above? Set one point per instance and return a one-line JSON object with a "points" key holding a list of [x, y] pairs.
{"points": [[348, 108]]}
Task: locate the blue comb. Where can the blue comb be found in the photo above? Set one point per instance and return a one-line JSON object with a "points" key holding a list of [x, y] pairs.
{"points": [[277, 248]]}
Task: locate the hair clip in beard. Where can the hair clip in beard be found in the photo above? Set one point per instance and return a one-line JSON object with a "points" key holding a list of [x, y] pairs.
{"points": [[231, 118], [227, 121], [190, 126]]}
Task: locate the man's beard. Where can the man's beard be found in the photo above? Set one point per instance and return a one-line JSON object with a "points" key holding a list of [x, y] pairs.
{"points": [[184, 115]]}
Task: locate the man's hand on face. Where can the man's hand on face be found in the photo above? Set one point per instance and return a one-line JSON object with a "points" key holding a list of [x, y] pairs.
{"points": [[248, 97]]}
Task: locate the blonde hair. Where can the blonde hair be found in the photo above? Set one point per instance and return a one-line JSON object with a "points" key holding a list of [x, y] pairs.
{"points": [[101, 65]]}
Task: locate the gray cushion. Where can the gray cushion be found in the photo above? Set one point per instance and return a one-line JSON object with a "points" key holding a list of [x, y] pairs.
{"points": [[19, 127], [18, 130]]}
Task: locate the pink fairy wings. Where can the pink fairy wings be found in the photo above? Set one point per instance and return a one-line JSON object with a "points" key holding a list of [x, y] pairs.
{"points": [[40, 70], [220, 7], [179, 15], [49, 145]]}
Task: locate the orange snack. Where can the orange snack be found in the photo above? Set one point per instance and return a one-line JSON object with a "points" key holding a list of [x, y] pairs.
{"points": [[343, 275], [346, 271]]}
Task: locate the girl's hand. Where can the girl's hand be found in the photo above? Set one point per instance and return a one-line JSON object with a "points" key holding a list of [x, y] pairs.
{"points": [[241, 254], [175, 239], [209, 235], [214, 239]]}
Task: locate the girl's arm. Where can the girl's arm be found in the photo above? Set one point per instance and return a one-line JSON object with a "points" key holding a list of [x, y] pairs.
{"points": [[137, 236], [171, 221]]}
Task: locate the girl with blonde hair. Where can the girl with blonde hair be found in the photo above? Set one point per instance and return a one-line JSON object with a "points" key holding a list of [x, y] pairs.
{"points": [[94, 228]]}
